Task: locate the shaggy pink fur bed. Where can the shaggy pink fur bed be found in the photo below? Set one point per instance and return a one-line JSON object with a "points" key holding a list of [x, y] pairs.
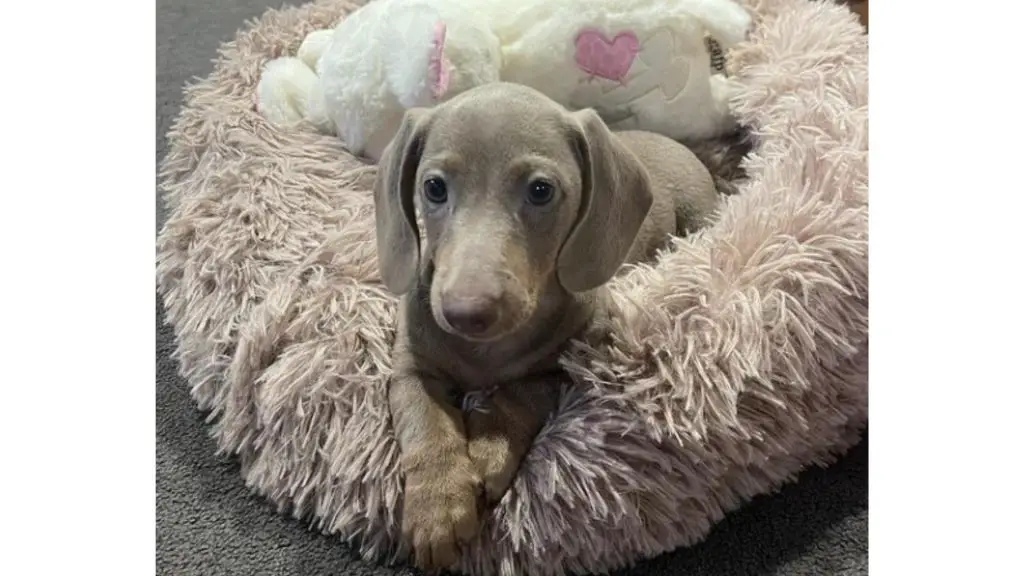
{"points": [[735, 362]]}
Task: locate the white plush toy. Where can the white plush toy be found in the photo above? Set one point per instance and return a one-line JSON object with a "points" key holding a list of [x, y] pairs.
{"points": [[642, 64]]}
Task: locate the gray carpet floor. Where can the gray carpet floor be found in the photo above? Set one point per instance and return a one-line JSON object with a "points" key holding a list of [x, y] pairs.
{"points": [[208, 524]]}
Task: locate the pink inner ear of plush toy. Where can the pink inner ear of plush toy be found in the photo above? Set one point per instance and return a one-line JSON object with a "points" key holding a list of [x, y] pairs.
{"points": [[439, 67]]}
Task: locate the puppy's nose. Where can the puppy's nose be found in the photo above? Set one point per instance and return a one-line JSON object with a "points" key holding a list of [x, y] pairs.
{"points": [[470, 314]]}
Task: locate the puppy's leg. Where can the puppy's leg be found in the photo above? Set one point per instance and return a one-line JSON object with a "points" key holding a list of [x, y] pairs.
{"points": [[501, 433], [441, 484]]}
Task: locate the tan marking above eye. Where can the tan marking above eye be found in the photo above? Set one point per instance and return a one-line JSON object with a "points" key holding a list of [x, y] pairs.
{"points": [[526, 170], [446, 162]]}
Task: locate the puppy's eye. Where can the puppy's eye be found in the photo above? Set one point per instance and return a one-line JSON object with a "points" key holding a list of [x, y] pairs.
{"points": [[540, 192], [435, 191]]}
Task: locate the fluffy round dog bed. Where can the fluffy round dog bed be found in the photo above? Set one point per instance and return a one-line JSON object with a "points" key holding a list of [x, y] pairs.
{"points": [[736, 361]]}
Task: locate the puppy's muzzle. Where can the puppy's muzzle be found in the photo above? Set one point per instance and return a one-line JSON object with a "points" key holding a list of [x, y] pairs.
{"points": [[471, 313]]}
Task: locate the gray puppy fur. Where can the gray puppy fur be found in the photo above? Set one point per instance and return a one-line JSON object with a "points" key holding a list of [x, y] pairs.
{"points": [[528, 209]]}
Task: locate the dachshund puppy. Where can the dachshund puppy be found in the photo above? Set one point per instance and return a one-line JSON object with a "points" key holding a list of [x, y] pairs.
{"points": [[527, 209]]}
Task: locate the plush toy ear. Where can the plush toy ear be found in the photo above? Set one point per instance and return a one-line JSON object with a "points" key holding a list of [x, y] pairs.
{"points": [[415, 65], [398, 237], [616, 197]]}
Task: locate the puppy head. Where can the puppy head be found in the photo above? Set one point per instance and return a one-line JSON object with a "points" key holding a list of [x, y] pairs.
{"points": [[517, 195]]}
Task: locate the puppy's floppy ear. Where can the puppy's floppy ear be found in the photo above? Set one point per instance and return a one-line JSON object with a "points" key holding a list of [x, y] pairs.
{"points": [[616, 197], [398, 237]]}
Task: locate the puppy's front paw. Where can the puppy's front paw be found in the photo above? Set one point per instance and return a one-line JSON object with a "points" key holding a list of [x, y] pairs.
{"points": [[439, 512], [493, 458]]}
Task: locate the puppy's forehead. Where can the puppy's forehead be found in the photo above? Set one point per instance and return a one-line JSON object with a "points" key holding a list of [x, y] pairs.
{"points": [[499, 123]]}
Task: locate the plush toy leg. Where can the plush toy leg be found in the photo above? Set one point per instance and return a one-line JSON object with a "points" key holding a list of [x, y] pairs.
{"points": [[313, 47], [283, 91], [317, 112], [290, 89]]}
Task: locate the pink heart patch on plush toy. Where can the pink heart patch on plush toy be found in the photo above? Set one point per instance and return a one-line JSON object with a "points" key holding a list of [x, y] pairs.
{"points": [[612, 58]]}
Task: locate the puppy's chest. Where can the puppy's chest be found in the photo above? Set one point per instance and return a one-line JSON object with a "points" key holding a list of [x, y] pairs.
{"points": [[470, 367]]}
